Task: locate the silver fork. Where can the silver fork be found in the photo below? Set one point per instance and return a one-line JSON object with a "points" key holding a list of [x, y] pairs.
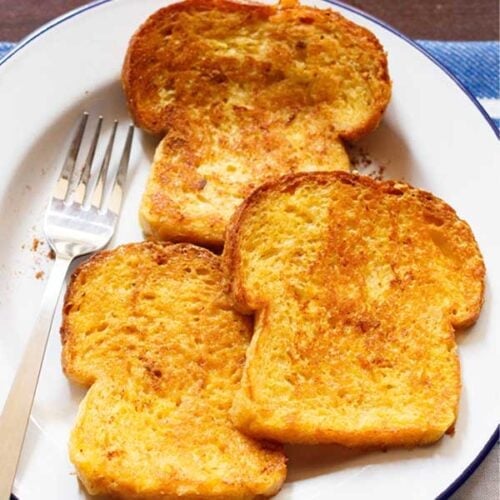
{"points": [[81, 218]]}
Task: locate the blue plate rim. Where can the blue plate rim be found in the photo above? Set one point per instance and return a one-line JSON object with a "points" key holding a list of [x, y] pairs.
{"points": [[494, 438]]}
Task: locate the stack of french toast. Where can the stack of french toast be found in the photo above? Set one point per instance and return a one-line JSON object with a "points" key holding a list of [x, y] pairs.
{"points": [[324, 310]]}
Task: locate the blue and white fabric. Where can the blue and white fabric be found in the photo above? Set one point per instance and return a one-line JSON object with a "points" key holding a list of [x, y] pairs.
{"points": [[476, 66]]}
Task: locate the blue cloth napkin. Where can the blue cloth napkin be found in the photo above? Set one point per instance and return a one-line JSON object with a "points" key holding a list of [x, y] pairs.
{"points": [[5, 47], [474, 64]]}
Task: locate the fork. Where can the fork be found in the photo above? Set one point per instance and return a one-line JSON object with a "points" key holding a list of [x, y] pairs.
{"points": [[81, 218]]}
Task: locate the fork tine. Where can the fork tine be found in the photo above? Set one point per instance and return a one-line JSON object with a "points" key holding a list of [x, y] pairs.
{"points": [[80, 181], [95, 186], [114, 186], [62, 185]]}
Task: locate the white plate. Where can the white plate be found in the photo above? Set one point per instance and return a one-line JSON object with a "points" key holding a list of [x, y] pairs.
{"points": [[433, 136]]}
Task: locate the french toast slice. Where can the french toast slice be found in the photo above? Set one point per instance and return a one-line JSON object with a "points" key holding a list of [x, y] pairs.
{"points": [[197, 54], [192, 193], [357, 287], [149, 327], [245, 93]]}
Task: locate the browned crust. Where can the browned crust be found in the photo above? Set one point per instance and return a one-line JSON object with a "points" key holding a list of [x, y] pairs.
{"points": [[409, 437], [288, 183], [137, 49], [129, 73]]}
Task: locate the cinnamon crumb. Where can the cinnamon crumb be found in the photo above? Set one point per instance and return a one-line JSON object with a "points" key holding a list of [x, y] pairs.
{"points": [[39, 275], [51, 254], [35, 244], [364, 164]]}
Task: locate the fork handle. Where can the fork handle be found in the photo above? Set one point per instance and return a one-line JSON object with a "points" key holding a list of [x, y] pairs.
{"points": [[16, 412]]}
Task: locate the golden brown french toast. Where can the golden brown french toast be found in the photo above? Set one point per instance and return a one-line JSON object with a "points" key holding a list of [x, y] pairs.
{"points": [[150, 329], [245, 93], [358, 287], [184, 202]]}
